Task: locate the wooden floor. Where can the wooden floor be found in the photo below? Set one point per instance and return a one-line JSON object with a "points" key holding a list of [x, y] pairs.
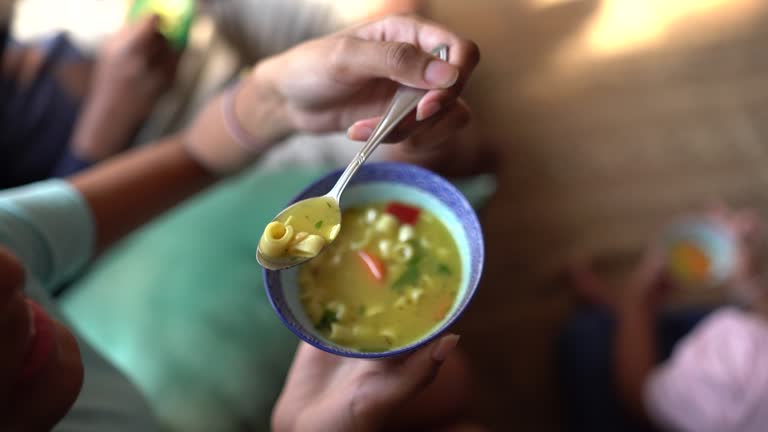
{"points": [[605, 129]]}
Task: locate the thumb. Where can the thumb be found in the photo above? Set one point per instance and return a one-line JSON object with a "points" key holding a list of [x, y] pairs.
{"points": [[420, 368], [398, 61], [400, 379]]}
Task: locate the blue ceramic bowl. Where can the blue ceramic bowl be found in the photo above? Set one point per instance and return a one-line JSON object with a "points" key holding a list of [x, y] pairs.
{"points": [[377, 182]]}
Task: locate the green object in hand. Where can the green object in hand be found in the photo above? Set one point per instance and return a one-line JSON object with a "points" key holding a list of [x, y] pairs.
{"points": [[175, 17]]}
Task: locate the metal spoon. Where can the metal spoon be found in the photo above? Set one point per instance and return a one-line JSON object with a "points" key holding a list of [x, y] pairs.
{"points": [[405, 100]]}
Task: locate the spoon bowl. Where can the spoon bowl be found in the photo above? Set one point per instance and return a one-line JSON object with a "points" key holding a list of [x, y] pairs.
{"points": [[330, 215]]}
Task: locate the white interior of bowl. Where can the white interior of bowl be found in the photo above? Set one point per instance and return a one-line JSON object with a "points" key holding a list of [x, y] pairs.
{"points": [[362, 194]]}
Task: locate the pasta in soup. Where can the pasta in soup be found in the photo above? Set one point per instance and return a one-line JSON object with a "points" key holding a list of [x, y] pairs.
{"points": [[390, 277]]}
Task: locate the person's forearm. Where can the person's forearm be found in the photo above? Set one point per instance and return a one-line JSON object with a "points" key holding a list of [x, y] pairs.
{"points": [[635, 352], [127, 191], [93, 138], [130, 189]]}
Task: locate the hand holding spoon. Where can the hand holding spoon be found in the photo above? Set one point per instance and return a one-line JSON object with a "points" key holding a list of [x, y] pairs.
{"points": [[301, 231]]}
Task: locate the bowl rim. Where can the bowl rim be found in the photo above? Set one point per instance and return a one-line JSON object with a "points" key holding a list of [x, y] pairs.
{"points": [[471, 290]]}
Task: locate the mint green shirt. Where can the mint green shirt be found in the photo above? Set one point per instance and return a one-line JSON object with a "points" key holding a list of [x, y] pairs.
{"points": [[48, 226]]}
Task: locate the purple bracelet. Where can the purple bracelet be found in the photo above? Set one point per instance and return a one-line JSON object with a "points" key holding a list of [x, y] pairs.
{"points": [[232, 124]]}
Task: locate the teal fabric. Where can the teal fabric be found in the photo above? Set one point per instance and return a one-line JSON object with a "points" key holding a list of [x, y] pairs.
{"points": [[49, 228], [180, 306]]}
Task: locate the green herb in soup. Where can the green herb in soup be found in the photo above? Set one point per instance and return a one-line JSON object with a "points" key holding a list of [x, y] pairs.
{"points": [[390, 277]]}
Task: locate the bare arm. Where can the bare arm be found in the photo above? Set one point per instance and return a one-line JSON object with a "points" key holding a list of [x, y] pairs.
{"points": [[131, 189], [127, 191], [635, 341], [635, 353], [127, 78]]}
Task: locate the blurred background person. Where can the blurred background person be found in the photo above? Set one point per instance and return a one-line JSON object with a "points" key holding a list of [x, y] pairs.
{"points": [[630, 363], [62, 110]]}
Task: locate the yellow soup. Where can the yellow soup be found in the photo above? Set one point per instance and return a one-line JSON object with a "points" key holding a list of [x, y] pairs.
{"points": [[301, 231], [391, 276]]}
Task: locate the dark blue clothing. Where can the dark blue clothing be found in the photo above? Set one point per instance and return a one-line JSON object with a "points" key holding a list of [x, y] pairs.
{"points": [[586, 366], [37, 120]]}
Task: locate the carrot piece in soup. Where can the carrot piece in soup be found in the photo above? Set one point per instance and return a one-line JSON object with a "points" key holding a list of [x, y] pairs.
{"points": [[442, 309], [374, 265]]}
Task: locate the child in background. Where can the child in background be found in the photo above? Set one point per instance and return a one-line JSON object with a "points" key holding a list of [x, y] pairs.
{"points": [[629, 365]]}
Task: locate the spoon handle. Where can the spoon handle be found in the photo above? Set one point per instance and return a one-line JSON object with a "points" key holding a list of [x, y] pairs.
{"points": [[405, 100]]}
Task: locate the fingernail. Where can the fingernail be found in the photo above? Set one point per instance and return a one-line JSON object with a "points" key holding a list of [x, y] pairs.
{"points": [[444, 347], [357, 132], [428, 111], [441, 74]]}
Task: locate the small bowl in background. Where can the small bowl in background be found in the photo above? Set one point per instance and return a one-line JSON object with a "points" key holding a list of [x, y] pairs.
{"points": [[709, 244]]}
